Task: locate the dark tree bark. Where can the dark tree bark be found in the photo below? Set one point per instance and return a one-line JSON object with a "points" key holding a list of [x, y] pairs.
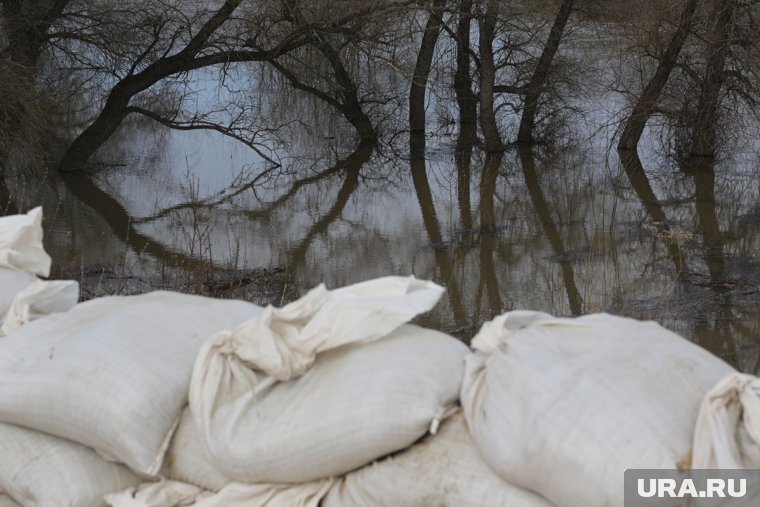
{"points": [[541, 73], [462, 157], [647, 101], [487, 30], [27, 23], [706, 122], [703, 171], [420, 79], [467, 101]]}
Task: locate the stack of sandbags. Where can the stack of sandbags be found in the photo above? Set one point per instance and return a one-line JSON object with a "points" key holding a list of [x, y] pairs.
{"points": [[24, 297], [312, 390], [444, 470], [564, 406], [104, 382], [91, 398], [37, 469]]}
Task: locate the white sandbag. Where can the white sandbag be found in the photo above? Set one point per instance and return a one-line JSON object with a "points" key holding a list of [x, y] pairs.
{"points": [[11, 283], [444, 470], [267, 411], [37, 300], [386, 393], [563, 406], [357, 403], [21, 243], [186, 460], [177, 494], [40, 470], [727, 435], [112, 373], [22, 296]]}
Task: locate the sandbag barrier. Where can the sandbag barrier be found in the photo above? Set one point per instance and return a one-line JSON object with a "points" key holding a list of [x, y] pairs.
{"points": [[168, 400], [23, 296]]}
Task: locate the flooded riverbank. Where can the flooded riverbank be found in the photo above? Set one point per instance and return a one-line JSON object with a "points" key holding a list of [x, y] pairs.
{"points": [[359, 162]]}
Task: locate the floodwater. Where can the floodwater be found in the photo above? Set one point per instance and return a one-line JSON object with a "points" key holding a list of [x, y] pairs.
{"points": [[569, 230]]}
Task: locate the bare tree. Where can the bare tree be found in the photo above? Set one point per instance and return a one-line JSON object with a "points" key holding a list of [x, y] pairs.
{"points": [[420, 78], [198, 52], [646, 103], [467, 101], [535, 86], [705, 124], [487, 33]]}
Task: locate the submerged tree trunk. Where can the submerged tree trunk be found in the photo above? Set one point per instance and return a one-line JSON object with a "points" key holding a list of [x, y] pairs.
{"points": [[706, 122], [420, 79], [703, 172], [467, 102], [487, 30], [462, 157], [645, 105], [487, 234], [533, 184], [444, 262], [87, 143], [541, 73], [643, 188]]}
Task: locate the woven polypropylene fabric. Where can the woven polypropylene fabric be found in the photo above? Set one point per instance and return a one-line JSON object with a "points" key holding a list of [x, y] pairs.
{"points": [[112, 373], [40, 470], [11, 283], [444, 470], [21, 243], [564, 406]]}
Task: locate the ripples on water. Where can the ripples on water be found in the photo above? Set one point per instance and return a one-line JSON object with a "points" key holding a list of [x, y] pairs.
{"points": [[568, 231]]}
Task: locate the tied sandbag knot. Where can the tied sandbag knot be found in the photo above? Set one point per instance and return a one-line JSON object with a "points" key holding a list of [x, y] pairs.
{"points": [[39, 299], [727, 434], [21, 243], [493, 332], [233, 369]]}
